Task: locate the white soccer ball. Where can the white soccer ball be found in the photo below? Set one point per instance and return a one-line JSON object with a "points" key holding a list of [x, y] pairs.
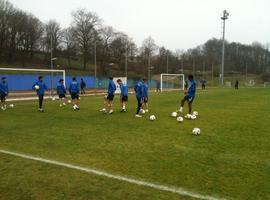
{"points": [[152, 118], [142, 111], [180, 119], [196, 113], [53, 98], [37, 87], [193, 117], [11, 105], [69, 101], [196, 131], [188, 116], [174, 114]]}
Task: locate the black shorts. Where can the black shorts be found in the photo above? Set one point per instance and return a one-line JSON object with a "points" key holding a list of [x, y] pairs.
{"points": [[3, 97], [124, 98], [189, 98], [61, 96], [74, 96], [145, 99], [110, 97]]}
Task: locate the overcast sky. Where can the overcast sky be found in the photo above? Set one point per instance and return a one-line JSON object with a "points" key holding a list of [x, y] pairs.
{"points": [[176, 24]]}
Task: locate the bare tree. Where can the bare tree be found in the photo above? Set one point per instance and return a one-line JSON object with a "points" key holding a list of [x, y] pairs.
{"points": [[85, 31]]}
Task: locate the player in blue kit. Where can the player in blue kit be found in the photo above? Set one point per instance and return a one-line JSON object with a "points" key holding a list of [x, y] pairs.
{"points": [[61, 91], [139, 95], [40, 88], [3, 92], [190, 94], [145, 95], [74, 90], [123, 95], [108, 99]]}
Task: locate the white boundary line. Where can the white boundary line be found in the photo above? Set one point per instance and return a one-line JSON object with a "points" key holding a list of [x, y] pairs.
{"points": [[177, 190]]}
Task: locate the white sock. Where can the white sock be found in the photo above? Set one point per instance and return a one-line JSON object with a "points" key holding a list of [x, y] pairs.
{"points": [[181, 109]]}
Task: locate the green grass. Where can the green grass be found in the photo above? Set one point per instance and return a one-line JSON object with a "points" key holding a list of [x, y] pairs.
{"points": [[229, 160]]}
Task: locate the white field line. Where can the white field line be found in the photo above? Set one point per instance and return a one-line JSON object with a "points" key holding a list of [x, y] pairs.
{"points": [[172, 189]]}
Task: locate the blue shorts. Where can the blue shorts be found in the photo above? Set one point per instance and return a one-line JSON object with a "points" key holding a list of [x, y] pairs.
{"points": [[110, 97], [145, 99], [61, 96], [124, 98], [189, 99], [74, 96], [3, 97]]}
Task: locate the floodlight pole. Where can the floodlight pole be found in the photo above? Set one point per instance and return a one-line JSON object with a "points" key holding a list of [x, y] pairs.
{"points": [[224, 17], [149, 66], [95, 63], [51, 66], [126, 61]]}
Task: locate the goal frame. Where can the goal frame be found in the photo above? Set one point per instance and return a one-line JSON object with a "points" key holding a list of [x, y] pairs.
{"points": [[265, 84], [40, 70], [165, 74]]}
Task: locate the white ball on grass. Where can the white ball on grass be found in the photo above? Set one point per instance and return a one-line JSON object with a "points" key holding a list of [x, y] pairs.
{"points": [[174, 114], [180, 119], [152, 118], [196, 113], [53, 98], [11, 105], [193, 117], [196, 131], [188, 116], [142, 111], [69, 101]]}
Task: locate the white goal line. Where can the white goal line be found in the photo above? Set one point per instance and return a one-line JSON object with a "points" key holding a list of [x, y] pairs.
{"points": [[172, 189]]}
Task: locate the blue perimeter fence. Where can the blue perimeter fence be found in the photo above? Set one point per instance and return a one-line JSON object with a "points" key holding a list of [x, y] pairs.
{"points": [[22, 82]]}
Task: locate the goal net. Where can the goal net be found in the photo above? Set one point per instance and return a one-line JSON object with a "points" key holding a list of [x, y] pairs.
{"points": [[266, 84], [20, 82], [170, 82]]}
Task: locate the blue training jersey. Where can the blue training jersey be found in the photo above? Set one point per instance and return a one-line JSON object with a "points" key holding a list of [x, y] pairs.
{"points": [[124, 89], [61, 89], [3, 87], [74, 87], [145, 90], [139, 89], [191, 89], [42, 87], [111, 87]]}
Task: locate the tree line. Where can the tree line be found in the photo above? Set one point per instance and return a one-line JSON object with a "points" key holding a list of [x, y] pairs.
{"points": [[23, 36]]}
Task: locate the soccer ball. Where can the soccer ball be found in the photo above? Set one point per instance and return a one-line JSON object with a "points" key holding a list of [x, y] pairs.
{"points": [[193, 117], [174, 114], [152, 118], [196, 131], [180, 119], [69, 101], [75, 107], [196, 113], [142, 111], [11, 105], [188, 116], [37, 87], [53, 98]]}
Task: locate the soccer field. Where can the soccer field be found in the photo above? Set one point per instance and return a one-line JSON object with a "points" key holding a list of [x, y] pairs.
{"points": [[229, 160]]}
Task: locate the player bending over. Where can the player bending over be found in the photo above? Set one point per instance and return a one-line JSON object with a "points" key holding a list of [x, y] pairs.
{"points": [[108, 100], [123, 95], [145, 95], [74, 90], [61, 91], [3, 92], [40, 88], [139, 95], [190, 94]]}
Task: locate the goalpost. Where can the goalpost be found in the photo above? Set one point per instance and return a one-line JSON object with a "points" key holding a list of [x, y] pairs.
{"points": [[266, 84], [170, 82], [20, 81]]}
